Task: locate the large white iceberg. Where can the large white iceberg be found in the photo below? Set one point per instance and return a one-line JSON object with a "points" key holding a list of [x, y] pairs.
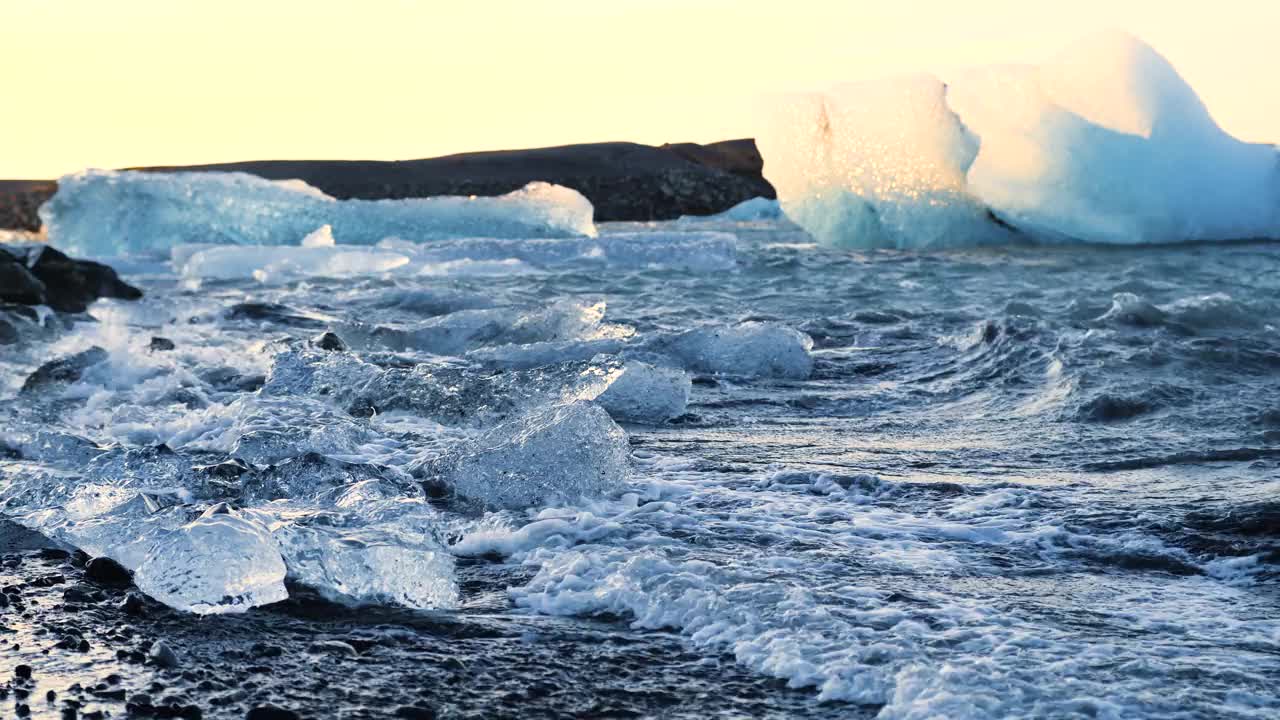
{"points": [[1103, 143], [103, 212]]}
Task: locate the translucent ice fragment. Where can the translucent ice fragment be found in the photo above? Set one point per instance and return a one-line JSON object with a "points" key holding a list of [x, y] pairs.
{"points": [[219, 563], [643, 393], [562, 453], [751, 349]]}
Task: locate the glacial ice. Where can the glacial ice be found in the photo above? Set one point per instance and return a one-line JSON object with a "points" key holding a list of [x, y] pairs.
{"points": [[1103, 143], [220, 562], [558, 454], [646, 394], [753, 210], [750, 349], [103, 213], [375, 545], [267, 264]]}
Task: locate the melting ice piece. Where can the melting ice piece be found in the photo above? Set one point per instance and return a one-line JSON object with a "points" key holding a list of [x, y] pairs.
{"points": [[394, 559], [459, 332], [267, 430], [755, 209], [562, 453], [320, 237], [100, 212], [219, 563], [1104, 143], [643, 393], [751, 349], [267, 264], [685, 250]]}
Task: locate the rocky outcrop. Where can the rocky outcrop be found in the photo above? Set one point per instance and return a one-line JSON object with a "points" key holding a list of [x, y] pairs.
{"points": [[624, 181], [19, 201], [40, 275]]}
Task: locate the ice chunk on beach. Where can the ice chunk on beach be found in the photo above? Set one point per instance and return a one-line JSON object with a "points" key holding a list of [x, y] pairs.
{"points": [[1104, 143], [558, 454], [375, 545], [220, 562], [102, 212], [750, 349], [643, 393]]}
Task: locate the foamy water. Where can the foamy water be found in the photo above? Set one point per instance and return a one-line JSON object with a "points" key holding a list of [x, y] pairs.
{"points": [[986, 483]]}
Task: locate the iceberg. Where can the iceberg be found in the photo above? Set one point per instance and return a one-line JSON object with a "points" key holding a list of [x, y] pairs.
{"points": [[1103, 143], [105, 213]]}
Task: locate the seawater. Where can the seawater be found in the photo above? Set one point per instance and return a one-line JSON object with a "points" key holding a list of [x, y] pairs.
{"points": [[1023, 481]]}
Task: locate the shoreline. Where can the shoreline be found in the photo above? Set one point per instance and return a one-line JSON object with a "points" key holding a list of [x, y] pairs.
{"points": [[624, 181]]}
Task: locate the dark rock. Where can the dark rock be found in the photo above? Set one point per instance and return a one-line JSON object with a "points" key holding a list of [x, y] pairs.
{"points": [[69, 285], [74, 642], [415, 712], [64, 370], [270, 712], [17, 283], [54, 554], [273, 313], [105, 571], [8, 332], [21, 199], [265, 650], [329, 341], [624, 181], [161, 344], [22, 672], [78, 595], [22, 710], [162, 655], [336, 647]]}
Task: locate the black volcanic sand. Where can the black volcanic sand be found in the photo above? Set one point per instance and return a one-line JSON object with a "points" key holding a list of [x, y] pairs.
{"points": [[89, 650]]}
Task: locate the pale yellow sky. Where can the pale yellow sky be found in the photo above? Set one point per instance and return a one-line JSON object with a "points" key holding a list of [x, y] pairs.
{"points": [[110, 83]]}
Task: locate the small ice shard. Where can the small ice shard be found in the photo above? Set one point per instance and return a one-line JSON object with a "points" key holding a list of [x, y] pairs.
{"points": [[102, 212], [220, 562], [751, 349], [320, 237], [370, 565], [559, 454], [643, 393]]}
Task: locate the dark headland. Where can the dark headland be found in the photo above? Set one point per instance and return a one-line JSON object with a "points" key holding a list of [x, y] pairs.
{"points": [[624, 181]]}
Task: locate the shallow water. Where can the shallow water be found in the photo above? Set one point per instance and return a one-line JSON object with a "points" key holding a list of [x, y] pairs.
{"points": [[1026, 481]]}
